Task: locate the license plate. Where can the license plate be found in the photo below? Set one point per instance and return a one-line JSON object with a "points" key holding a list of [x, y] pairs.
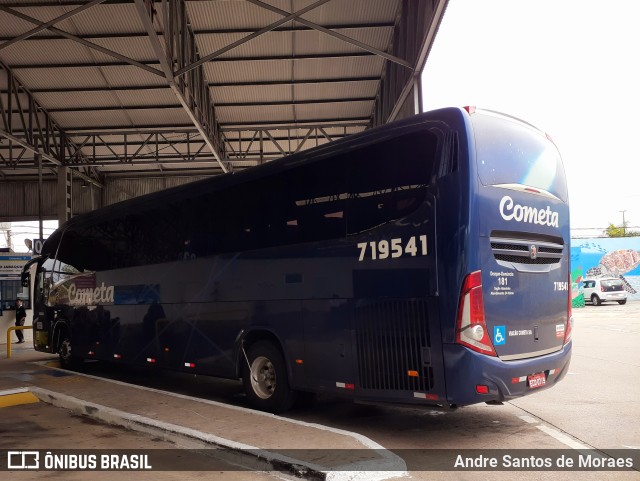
{"points": [[537, 380]]}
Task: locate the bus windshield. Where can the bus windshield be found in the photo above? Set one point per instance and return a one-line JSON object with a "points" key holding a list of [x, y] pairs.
{"points": [[510, 152]]}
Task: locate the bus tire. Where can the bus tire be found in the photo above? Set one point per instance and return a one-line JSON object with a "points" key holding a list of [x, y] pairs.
{"points": [[265, 379], [67, 359]]}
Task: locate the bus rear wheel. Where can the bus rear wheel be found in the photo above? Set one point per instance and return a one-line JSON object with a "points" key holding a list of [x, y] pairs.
{"points": [[265, 379]]}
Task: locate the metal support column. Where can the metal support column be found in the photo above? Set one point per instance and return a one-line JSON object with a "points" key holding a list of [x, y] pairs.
{"points": [[38, 158], [64, 193]]}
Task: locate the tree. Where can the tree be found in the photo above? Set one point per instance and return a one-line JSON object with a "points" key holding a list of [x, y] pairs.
{"points": [[620, 231]]}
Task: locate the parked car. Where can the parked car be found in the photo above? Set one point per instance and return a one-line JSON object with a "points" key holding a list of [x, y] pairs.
{"points": [[604, 289]]}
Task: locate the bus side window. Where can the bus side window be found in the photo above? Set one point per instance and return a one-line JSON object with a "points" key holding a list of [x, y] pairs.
{"points": [[449, 155], [388, 181], [316, 200]]}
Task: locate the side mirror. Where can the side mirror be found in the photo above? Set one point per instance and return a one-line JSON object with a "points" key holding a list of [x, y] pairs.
{"points": [[25, 278]]}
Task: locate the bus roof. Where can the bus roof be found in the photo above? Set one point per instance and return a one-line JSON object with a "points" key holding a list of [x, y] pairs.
{"points": [[150, 201]]}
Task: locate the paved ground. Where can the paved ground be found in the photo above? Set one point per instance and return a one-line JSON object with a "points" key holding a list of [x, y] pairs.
{"points": [[41, 426], [595, 406], [277, 443]]}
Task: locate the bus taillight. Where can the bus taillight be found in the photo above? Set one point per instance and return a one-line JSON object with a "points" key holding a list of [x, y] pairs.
{"points": [[472, 329]]}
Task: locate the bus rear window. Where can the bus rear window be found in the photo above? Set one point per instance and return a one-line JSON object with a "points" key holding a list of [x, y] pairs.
{"points": [[511, 152]]}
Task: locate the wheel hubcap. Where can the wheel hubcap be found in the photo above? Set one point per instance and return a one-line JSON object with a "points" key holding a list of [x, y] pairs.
{"points": [[263, 377], [65, 350]]}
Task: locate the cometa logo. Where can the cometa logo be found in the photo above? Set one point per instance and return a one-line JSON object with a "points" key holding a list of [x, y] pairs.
{"points": [[87, 297], [525, 213]]}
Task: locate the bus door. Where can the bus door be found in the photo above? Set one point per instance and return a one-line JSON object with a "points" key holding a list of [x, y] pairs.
{"points": [[41, 324]]}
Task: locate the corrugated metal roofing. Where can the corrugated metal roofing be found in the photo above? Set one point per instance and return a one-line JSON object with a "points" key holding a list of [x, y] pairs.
{"points": [[103, 19], [64, 100], [88, 77], [333, 68], [292, 76], [251, 93]]}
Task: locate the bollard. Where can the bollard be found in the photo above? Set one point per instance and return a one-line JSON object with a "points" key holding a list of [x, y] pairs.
{"points": [[9, 331]]}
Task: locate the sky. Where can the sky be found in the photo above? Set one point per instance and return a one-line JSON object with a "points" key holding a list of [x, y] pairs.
{"points": [[569, 67], [22, 230]]}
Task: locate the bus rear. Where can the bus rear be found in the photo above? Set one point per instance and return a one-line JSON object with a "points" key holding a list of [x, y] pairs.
{"points": [[513, 325]]}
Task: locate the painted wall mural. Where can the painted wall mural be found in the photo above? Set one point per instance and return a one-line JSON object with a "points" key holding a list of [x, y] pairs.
{"points": [[615, 257]]}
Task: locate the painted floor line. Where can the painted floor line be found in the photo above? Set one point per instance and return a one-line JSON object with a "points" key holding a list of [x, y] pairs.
{"points": [[529, 419], [558, 435], [17, 390], [563, 438]]}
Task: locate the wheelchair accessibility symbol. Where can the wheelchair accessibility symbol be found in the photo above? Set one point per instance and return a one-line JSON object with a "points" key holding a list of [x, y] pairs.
{"points": [[499, 335]]}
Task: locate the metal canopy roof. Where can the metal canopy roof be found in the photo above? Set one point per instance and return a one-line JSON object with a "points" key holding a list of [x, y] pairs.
{"points": [[116, 88]]}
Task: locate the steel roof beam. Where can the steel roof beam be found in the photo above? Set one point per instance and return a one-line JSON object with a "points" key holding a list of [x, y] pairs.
{"points": [[75, 131], [295, 82], [80, 65], [337, 35], [272, 124], [48, 24], [69, 3], [59, 3], [179, 130], [133, 88], [213, 170], [265, 58], [308, 135], [81, 41], [22, 143], [33, 129], [163, 159], [114, 129], [296, 102], [163, 141], [126, 88], [303, 125], [108, 108], [288, 17], [228, 31], [414, 84], [220, 104], [201, 115]]}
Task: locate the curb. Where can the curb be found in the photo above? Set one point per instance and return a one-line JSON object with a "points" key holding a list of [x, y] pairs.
{"points": [[387, 466]]}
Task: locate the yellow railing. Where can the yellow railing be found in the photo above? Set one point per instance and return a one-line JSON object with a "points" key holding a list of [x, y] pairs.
{"points": [[9, 331]]}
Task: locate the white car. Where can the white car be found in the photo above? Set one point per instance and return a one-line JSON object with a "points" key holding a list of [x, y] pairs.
{"points": [[603, 289]]}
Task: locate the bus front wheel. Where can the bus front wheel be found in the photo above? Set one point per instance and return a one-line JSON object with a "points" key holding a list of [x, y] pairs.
{"points": [[67, 359], [265, 378]]}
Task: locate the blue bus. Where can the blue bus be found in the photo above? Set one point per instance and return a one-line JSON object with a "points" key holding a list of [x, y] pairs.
{"points": [[423, 262]]}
